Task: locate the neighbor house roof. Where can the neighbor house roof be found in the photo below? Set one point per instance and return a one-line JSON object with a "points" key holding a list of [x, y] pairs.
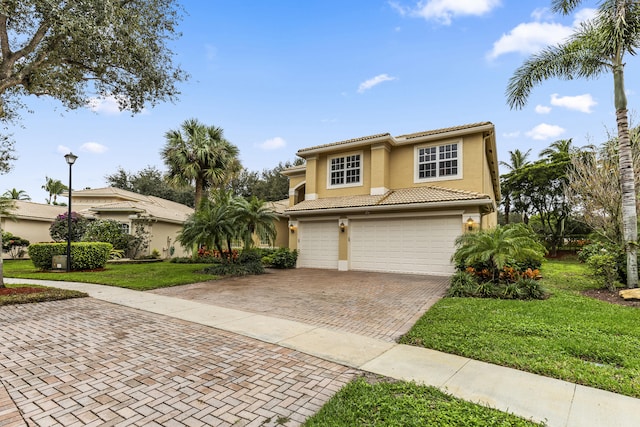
{"points": [[36, 211], [120, 200], [279, 206], [404, 198]]}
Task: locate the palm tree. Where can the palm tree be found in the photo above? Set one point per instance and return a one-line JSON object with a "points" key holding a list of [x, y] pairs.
{"points": [[558, 150], [597, 47], [198, 154], [210, 225], [518, 160], [16, 194], [54, 187], [498, 247], [5, 210], [253, 217]]}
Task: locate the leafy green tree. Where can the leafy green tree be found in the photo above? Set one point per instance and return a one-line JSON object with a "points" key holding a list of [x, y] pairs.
{"points": [[199, 155], [593, 187], [71, 50], [15, 194], [518, 160], [150, 182], [15, 246], [6, 205], [107, 230], [253, 217], [59, 228], [597, 47], [54, 187], [538, 189], [6, 153], [498, 248]]}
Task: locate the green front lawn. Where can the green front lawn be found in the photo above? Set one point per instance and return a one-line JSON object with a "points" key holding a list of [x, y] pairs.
{"points": [[568, 336], [403, 404], [140, 277], [45, 294]]}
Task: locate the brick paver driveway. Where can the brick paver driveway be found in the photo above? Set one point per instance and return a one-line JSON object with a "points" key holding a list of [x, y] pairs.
{"points": [[88, 362], [377, 305]]}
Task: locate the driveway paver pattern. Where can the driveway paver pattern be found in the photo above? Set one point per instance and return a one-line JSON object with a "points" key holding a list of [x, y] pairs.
{"points": [[87, 362], [377, 305]]}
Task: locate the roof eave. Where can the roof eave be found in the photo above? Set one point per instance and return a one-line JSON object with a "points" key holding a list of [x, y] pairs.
{"points": [[381, 208], [304, 153]]}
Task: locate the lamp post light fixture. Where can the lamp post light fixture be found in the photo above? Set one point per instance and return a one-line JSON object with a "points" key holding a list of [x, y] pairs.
{"points": [[71, 159]]}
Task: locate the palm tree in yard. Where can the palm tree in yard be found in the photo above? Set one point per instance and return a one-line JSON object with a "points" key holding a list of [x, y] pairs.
{"points": [[518, 160], [54, 187], [5, 210], [557, 150], [253, 217], [200, 155], [15, 194], [596, 48]]}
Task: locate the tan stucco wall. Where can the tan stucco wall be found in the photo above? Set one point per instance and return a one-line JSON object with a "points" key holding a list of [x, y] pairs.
{"points": [[322, 173], [282, 233], [33, 231], [160, 232]]}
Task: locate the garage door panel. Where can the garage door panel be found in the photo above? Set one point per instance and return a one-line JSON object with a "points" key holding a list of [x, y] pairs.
{"points": [[407, 245], [318, 246]]}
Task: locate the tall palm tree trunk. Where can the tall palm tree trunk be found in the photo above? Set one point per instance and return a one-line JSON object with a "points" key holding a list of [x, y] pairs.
{"points": [[627, 179]]}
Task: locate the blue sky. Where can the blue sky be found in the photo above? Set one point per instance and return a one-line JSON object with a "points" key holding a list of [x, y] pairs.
{"points": [[282, 75]]}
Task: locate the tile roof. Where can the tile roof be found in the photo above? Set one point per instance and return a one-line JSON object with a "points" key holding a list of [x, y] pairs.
{"points": [[279, 206], [403, 196], [395, 140], [348, 141], [443, 130], [36, 211]]}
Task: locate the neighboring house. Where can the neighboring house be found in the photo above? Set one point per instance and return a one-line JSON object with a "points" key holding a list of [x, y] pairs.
{"points": [[282, 224], [393, 204], [161, 218]]}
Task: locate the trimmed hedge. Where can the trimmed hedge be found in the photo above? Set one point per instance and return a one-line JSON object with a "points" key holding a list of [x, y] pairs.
{"points": [[84, 255]]}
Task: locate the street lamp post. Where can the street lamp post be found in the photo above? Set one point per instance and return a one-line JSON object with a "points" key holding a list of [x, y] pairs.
{"points": [[71, 159]]}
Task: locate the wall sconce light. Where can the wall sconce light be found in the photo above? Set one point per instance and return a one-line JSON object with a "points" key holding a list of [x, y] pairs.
{"points": [[342, 227], [292, 228], [470, 223]]}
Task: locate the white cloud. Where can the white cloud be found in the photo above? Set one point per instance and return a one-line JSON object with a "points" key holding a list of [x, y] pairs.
{"points": [[364, 86], [63, 149], [582, 103], [108, 105], [273, 143], [93, 147], [530, 38], [543, 109], [444, 11], [545, 131], [511, 134]]}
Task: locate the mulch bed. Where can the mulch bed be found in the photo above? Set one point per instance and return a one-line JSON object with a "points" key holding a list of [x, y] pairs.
{"points": [[21, 290], [611, 297]]}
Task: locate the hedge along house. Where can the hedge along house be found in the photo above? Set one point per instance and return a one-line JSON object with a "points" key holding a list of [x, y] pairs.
{"points": [[393, 204], [161, 219]]}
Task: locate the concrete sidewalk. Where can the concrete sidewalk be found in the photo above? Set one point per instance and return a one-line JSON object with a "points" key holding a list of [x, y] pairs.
{"points": [[542, 399]]}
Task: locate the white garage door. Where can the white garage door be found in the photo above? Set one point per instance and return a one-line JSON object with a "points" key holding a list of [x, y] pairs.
{"points": [[318, 244], [404, 245]]}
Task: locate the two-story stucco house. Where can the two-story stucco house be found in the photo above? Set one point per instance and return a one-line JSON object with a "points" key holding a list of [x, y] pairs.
{"points": [[393, 203]]}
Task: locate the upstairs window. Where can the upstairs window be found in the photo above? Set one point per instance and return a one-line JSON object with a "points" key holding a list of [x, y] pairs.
{"points": [[345, 171], [437, 162]]}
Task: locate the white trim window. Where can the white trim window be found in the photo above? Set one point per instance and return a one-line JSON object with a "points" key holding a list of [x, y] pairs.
{"points": [[438, 162], [124, 227], [345, 171]]}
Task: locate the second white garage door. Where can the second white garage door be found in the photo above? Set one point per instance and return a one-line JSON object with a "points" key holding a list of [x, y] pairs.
{"points": [[318, 244], [404, 245]]}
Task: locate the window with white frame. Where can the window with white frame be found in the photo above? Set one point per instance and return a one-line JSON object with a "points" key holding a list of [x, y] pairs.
{"points": [[345, 170], [435, 162], [124, 227]]}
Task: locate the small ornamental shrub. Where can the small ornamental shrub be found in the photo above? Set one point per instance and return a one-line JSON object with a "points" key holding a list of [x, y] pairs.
{"points": [[107, 230], [532, 289], [13, 245], [462, 284], [58, 229], [281, 258], [605, 269], [84, 255]]}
